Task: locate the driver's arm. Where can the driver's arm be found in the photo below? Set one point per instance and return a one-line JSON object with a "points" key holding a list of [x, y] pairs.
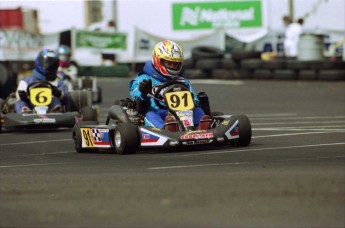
{"points": [[22, 86], [134, 88]]}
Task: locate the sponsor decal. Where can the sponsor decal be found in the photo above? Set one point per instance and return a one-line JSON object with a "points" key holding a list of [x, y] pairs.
{"points": [[149, 138], [197, 142], [217, 14], [94, 137], [44, 120], [193, 135], [156, 129], [173, 143], [234, 131], [226, 122], [104, 40], [220, 139]]}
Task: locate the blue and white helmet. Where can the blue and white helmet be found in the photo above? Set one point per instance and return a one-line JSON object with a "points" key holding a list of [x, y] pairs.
{"points": [[47, 63]]}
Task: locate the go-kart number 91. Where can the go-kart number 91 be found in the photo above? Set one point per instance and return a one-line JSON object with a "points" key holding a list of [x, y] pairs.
{"points": [[41, 96], [179, 101], [86, 137]]}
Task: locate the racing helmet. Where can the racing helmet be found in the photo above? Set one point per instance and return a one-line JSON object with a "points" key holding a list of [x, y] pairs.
{"points": [[167, 58], [64, 53], [47, 63]]}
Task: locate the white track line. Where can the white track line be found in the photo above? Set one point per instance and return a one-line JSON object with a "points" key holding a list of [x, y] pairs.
{"points": [[33, 142], [299, 117], [240, 163], [38, 164], [260, 149], [41, 154], [293, 134], [298, 122], [304, 128], [216, 82]]}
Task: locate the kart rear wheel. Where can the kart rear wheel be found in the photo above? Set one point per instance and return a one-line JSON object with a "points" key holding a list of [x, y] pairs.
{"points": [[245, 131], [126, 138], [89, 114]]}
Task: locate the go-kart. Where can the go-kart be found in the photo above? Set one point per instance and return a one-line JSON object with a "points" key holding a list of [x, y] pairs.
{"points": [[40, 95], [86, 83], [124, 132]]}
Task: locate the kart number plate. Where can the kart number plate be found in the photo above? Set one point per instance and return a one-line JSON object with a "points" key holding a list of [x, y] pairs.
{"points": [[180, 100], [95, 138], [41, 96], [87, 139]]}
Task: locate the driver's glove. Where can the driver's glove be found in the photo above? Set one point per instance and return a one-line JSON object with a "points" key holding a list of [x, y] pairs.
{"points": [[23, 95], [56, 92], [145, 87]]}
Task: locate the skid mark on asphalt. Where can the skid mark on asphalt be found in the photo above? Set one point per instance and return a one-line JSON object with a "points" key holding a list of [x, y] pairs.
{"points": [[242, 163], [261, 149]]}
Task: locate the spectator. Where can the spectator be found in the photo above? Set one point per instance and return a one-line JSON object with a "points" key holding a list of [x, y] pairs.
{"points": [[292, 34], [109, 57]]}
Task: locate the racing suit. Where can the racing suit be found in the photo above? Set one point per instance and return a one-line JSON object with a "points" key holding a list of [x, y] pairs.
{"points": [[155, 116], [68, 72], [36, 76]]}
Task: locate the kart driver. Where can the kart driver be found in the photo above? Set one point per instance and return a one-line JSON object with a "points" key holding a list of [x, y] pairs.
{"points": [[46, 65], [67, 71], [165, 66]]}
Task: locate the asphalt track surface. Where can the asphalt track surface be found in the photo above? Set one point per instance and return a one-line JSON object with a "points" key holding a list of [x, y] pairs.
{"points": [[291, 175]]}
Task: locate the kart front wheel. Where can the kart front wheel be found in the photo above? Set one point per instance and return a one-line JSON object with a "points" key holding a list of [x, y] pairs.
{"points": [[126, 138], [245, 131], [77, 140]]}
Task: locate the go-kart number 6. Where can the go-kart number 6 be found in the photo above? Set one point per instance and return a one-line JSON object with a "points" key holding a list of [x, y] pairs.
{"points": [[180, 101], [41, 96], [86, 137]]}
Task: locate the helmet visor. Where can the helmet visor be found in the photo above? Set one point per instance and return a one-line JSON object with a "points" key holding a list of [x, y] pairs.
{"points": [[173, 68]]}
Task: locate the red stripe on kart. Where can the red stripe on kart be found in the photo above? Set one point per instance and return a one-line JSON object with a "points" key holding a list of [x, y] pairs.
{"points": [[149, 140]]}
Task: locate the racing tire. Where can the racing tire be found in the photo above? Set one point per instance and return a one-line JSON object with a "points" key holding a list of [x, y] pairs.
{"points": [[89, 114], [308, 75], [228, 64], [195, 74], [77, 139], [80, 99], [245, 132], [206, 52], [251, 64], [126, 138], [208, 64], [99, 92], [263, 74], [274, 64], [332, 75], [285, 74]]}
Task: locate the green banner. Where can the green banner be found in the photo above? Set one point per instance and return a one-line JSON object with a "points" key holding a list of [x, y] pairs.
{"points": [[86, 39], [209, 15]]}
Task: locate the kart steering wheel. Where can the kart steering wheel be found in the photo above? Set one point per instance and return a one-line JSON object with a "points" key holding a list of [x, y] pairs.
{"points": [[167, 86]]}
